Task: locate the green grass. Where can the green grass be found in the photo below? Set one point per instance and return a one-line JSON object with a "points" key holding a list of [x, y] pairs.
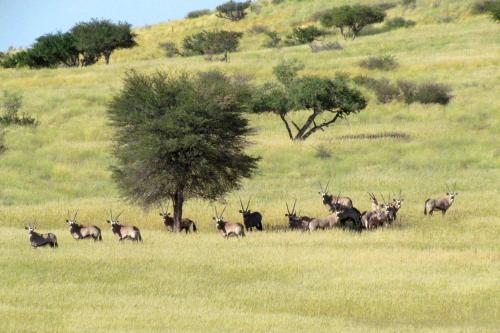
{"points": [[423, 274]]}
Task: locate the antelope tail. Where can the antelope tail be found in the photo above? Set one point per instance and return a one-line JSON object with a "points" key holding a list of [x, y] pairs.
{"points": [[425, 206], [194, 227], [259, 227]]}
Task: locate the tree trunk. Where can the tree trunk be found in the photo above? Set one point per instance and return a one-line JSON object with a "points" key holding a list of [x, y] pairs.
{"points": [[106, 57], [177, 201]]}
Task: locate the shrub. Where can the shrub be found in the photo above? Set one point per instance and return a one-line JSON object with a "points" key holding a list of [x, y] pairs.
{"points": [[277, 2], [323, 151], [487, 6], [385, 91], [408, 3], [408, 91], [258, 29], [398, 22], [198, 13], [233, 11], [353, 18], [386, 62], [385, 5], [305, 35], [170, 48], [274, 39], [325, 46], [286, 71], [54, 49], [433, 93], [12, 102]]}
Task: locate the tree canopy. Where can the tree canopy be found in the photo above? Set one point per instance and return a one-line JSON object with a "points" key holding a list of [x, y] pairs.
{"points": [[178, 138], [233, 10], [100, 38], [353, 18], [212, 42]]}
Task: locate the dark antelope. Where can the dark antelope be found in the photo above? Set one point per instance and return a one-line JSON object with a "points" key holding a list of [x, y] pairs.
{"points": [[168, 220], [297, 222], [37, 239], [227, 229], [442, 204], [250, 219], [123, 231], [334, 201], [79, 231]]}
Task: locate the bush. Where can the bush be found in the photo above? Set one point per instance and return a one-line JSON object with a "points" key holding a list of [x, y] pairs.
{"points": [[325, 46], [233, 11], [212, 42], [353, 18], [12, 102], [385, 91], [306, 35], [385, 5], [274, 39], [323, 151], [277, 2], [409, 3], [171, 49], [286, 71], [408, 91], [385, 63], [258, 29], [198, 13], [398, 22], [433, 93], [491, 7]]}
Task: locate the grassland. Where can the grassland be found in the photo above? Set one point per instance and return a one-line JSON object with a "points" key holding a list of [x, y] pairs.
{"points": [[423, 274]]}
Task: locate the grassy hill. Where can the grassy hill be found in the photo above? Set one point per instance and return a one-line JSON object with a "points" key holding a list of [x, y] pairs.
{"points": [[422, 274]]}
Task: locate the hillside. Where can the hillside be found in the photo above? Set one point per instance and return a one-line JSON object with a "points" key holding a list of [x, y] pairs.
{"points": [[426, 273]]}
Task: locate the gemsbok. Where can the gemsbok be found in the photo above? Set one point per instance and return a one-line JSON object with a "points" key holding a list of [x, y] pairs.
{"points": [[334, 201], [251, 219], [123, 232], [442, 204], [168, 220], [375, 218], [325, 223], [37, 239], [374, 202], [297, 222], [79, 231], [227, 229]]}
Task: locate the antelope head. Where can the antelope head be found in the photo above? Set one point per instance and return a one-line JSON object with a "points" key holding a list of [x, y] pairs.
{"points": [[71, 221], [219, 219], [451, 193], [113, 220], [245, 211], [327, 198], [164, 212], [30, 228]]}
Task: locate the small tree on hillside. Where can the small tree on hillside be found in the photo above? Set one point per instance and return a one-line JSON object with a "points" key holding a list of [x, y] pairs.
{"points": [[212, 42], [353, 18], [233, 10], [180, 138], [327, 100], [54, 49], [100, 38]]}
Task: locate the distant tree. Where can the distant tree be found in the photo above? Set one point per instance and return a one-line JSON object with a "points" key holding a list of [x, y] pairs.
{"points": [[180, 138], [327, 100], [100, 38], [212, 42], [353, 18], [305, 35], [53, 49], [274, 39], [233, 10]]}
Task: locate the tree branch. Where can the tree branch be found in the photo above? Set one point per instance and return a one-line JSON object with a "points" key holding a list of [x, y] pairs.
{"points": [[321, 126], [296, 126], [282, 116], [310, 120]]}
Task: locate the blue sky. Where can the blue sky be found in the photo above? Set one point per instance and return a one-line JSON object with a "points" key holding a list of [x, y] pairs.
{"points": [[22, 21]]}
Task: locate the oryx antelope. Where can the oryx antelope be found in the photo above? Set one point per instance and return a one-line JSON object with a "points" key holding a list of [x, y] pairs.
{"points": [[37, 239], [123, 231], [250, 219], [394, 207], [227, 229], [376, 218], [442, 204], [374, 202], [168, 220], [295, 221], [326, 222], [334, 201], [79, 231]]}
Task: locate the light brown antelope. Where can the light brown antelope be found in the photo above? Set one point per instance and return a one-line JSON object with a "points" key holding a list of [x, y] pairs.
{"points": [[395, 206], [374, 202], [227, 229], [375, 218], [442, 204], [295, 221], [37, 239], [123, 231], [168, 220], [326, 222], [79, 231], [251, 219], [334, 201]]}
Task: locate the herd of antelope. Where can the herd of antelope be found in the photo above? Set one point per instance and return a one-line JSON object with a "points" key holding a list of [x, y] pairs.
{"points": [[342, 214]]}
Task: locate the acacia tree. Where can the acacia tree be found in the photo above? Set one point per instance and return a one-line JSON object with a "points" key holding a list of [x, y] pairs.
{"points": [[233, 10], [101, 38], [212, 42], [54, 49], [327, 100], [353, 18], [178, 138]]}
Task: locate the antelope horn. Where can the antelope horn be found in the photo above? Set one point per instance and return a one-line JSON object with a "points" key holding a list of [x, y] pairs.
{"points": [[241, 204], [447, 187], [216, 213], [248, 204], [287, 208], [383, 198], [321, 187], [76, 213], [119, 215], [326, 187], [293, 209], [111, 214], [222, 214]]}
